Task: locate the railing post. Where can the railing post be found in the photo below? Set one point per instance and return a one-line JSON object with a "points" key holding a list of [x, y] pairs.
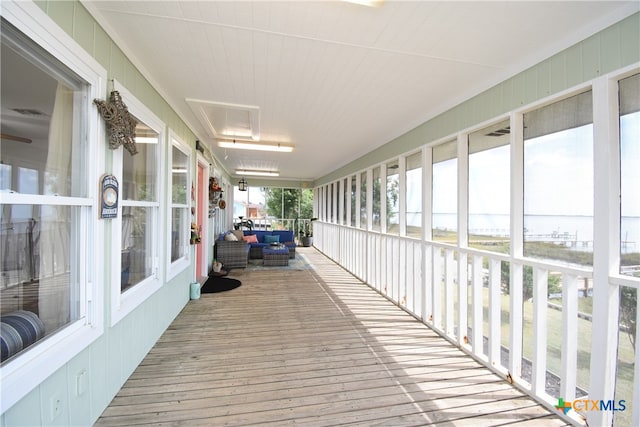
{"points": [[606, 253]]}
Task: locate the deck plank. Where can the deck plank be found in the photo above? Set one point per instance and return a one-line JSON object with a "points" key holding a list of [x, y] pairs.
{"points": [[311, 347]]}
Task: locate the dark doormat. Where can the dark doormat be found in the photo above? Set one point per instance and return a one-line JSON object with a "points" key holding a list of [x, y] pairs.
{"points": [[219, 284]]}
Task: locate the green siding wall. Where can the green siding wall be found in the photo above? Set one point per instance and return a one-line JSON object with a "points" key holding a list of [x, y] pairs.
{"points": [[110, 360], [613, 48]]}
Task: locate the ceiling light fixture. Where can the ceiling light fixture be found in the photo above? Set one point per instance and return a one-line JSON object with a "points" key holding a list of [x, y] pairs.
{"points": [[256, 145], [242, 184], [369, 3], [254, 172]]}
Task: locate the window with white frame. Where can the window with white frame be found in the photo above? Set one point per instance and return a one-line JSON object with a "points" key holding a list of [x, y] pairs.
{"points": [[558, 181], [489, 191], [629, 93], [140, 208], [50, 152], [179, 221], [46, 203], [138, 226], [413, 196], [445, 191]]}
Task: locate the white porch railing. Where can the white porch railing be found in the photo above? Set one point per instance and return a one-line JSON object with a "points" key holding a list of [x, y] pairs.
{"points": [[543, 348]]}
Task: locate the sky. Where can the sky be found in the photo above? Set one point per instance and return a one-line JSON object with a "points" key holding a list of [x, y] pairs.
{"points": [[558, 177]]}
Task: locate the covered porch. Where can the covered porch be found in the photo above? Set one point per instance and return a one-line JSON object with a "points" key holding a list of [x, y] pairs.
{"points": [[311, 345]]}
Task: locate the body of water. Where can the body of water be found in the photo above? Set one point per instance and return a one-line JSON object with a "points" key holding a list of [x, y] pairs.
{"points": [[538, 227]]}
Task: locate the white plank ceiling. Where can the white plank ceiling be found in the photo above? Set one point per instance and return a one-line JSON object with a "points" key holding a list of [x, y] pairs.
{"points": [[334, 79]]}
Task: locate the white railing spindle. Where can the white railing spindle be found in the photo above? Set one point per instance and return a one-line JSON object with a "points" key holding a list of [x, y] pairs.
{"points": [[516, 319], [463, 300], [449, 287], [569, 352], [437, 284], [494, 311], [476, 286], [539, 369]]}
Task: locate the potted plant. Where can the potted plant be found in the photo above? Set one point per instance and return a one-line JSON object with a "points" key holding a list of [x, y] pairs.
{"points": [[307, 235]]}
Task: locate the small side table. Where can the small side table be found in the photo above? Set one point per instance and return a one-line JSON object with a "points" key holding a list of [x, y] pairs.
{"points": [[275, 255]]}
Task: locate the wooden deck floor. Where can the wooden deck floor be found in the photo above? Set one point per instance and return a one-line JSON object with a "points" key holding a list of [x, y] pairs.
{"points": [[311, 347]]}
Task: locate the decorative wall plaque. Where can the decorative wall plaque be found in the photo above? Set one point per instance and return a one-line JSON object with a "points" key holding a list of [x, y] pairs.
{"points": [[109, 191], [121, 124]]}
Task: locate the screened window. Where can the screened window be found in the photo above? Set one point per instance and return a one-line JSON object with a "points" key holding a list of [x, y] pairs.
{"points": [[180, 209], [327, 202], [44, 152], [354, 194], [558, 181], [249, 205], [414, 195], [393, 198], [290, 203], [630, 175], [444, 193], [377, 199], [285, 207], [333, 191], [345, 201], [363, 200], [489, 192]]}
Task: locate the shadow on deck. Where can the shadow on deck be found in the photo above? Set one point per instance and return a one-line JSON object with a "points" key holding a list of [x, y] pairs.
{"points": [[311, 346]]}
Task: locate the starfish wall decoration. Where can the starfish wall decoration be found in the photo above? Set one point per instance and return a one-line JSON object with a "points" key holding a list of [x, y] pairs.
{"points": [[121, 124]]}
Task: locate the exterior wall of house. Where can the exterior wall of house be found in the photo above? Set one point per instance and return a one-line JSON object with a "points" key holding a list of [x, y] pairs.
{"points": [[611, 49], [104, 366]]}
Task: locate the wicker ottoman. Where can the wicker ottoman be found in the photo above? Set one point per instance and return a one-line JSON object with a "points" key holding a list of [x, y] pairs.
{"points": [[275, 255]]}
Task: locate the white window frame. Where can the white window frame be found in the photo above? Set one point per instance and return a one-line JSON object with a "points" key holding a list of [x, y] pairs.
{"points": [[176, 267], [22, 375], [123, 303]]}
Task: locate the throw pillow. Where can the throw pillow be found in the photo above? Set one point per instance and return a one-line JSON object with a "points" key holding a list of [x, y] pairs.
{"points": [[271, 239], [251, 238], [230, 237], [238, 233]]}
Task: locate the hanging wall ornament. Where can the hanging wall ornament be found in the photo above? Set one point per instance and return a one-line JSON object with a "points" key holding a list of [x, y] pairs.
{"points": [[121, 124]]}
